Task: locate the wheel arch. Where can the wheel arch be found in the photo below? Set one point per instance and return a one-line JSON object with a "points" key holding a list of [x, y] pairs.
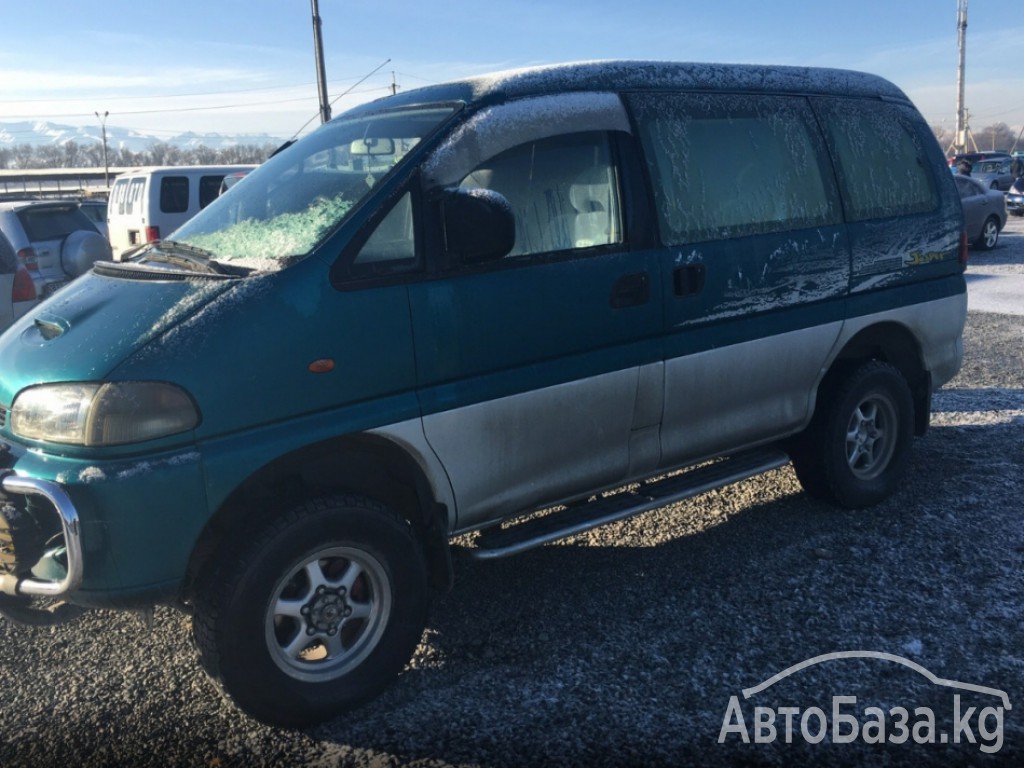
{"points": [[365, 464], [893, 343]]}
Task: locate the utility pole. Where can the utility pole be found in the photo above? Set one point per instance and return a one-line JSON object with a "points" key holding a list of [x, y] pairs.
{"points": [[106, 165], [321, 77], [960, 142]]}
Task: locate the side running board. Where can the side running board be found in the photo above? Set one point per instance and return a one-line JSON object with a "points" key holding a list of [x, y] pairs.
{"points": [[602, 510]]}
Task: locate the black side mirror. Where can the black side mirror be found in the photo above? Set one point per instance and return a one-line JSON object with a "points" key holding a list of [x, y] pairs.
{"points": [[478, 225]]}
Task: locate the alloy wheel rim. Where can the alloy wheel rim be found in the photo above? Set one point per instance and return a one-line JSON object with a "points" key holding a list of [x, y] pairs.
{"points": [[328, 613], [871, 437]]}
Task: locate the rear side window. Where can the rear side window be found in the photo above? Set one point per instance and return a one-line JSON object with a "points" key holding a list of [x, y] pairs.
{"points": [[968, 187], [53, 223], [124, 196], [733, 165], [209, 188], [882, 166], [174, 194]]}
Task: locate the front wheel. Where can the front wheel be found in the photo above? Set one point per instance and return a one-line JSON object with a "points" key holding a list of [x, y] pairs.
{"points": [[989, 234], [856, 449], [315, 613]]}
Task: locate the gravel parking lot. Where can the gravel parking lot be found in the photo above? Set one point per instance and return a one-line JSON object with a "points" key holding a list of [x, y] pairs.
{"points": [[626, 646]]}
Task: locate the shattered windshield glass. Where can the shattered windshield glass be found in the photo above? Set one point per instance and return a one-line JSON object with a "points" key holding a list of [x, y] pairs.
{"points": [[290, 204]]}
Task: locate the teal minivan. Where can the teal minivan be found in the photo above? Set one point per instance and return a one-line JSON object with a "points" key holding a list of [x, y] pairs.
{"points": [[455, 307]]}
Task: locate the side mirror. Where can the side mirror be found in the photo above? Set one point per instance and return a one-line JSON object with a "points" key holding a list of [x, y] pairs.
{"points": [[478, 225]]}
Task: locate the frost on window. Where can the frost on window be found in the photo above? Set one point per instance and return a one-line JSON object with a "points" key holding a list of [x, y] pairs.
{"points": [[883, 168], [729, 165], [260, 243], [296, 200]]}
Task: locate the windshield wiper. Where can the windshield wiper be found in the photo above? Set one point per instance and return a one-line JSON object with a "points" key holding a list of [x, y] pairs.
{"points": [[184, 255]]}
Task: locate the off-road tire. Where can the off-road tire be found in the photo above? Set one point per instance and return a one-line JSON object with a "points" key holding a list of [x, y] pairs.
{"points": [[855, 450], [247, 625]]}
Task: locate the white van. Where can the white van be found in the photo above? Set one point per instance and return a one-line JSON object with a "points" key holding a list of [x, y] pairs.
{"points": [[149, 203]]}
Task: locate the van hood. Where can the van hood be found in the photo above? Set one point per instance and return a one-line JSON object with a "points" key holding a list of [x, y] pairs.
{"points": [[88, 328]]}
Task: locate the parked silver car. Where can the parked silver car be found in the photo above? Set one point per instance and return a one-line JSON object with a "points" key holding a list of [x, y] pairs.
{"points": [[17, 291], [994, 174], [96, 210], [984, 211], [55, 241]]}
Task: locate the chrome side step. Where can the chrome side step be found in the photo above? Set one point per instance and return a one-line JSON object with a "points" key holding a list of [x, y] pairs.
{"points": [[602, 510]]}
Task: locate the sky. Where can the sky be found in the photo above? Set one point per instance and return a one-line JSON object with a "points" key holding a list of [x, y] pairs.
{"points": [[248, 67]]}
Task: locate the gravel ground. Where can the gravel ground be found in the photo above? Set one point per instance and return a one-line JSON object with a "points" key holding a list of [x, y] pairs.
{"points": [[625, 646]]}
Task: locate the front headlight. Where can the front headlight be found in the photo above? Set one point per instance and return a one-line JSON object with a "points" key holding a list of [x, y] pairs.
{"points": [[112, 413]]}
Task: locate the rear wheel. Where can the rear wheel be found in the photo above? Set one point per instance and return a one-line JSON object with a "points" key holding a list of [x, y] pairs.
{"points": [[316, 613], [855, 451], [989, 234]]}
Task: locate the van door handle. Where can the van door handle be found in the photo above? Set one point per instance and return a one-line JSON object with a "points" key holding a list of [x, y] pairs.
{"points": [[631, 291], [688, 280]]}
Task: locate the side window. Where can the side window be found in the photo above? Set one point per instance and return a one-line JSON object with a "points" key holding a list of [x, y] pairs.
{"points": [[563, 191], [882, 166], [209, 188], [966, 187], [134, 195], [393, 241], [118, 194], [174, 194], [734, 165]]}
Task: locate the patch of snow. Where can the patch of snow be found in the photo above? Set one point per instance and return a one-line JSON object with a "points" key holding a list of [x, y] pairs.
{"points": [[625, 75], [91, 474], [913, 647]]}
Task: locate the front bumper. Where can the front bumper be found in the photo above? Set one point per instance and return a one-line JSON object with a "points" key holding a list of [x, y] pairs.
{"points": [[15, 584], [114, 533], [1014, 204]]}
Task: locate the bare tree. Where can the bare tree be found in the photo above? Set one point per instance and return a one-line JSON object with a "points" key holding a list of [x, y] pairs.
{"points": [[998, 136], [72, 154], [203, 155], [24, 156], [49, 156]]}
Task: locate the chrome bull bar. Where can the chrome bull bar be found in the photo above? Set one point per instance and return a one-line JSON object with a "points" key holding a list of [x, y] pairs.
{"points": [[58, 497]]}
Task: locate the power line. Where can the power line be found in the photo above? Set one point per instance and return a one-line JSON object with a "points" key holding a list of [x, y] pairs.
{"points": [[38, 116], [334, 83]]}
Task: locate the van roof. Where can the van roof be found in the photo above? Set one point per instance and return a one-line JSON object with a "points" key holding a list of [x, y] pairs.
{"points": [[646, 75], [184, 168]]}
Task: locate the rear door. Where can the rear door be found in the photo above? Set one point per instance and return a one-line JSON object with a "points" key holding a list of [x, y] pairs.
{"points": [[755, 264], [126, 213], [973, 199]]}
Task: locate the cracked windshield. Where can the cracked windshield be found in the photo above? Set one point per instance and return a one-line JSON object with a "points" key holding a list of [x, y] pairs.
{"points": [[287, 207]]}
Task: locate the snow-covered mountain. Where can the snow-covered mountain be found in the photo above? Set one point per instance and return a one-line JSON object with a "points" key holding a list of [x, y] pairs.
{"points": [[41, 133]]}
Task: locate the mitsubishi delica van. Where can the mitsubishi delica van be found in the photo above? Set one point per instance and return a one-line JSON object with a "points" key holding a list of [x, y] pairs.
{"points": [[453, 308]]}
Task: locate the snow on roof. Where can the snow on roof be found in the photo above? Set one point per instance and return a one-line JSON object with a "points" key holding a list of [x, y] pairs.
{"points": [[688, 76], [654, 75]]}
